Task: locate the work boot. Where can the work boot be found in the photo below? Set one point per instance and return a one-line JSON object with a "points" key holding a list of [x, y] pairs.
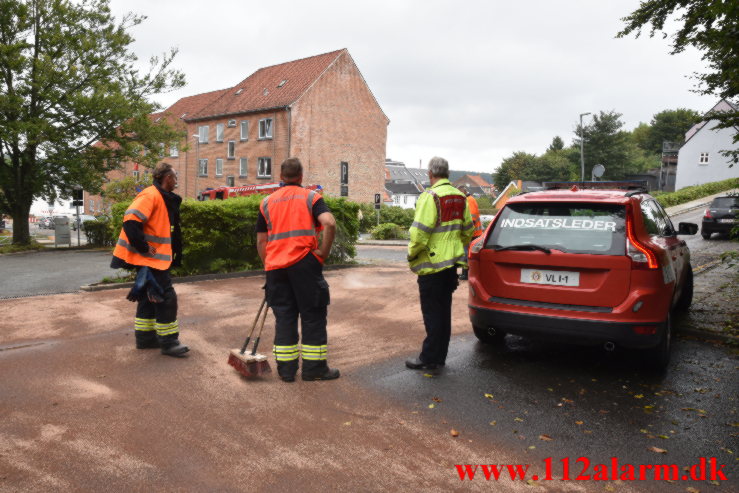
{"points": [[146, 340], [324, 374], [174, 348], [287, 370]]}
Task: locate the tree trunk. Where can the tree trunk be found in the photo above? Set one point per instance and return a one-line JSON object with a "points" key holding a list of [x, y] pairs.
{"points": [[21, 234]]}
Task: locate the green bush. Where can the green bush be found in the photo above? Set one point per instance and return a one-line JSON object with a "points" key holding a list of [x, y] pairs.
{"points": [[388, 214], [219, 235], [389, 231], [98, 232], [696, 192]]}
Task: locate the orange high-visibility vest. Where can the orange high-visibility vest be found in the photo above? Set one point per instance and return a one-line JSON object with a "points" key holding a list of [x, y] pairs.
{"points": [[149, 208], [291, 233], [475, 213]]}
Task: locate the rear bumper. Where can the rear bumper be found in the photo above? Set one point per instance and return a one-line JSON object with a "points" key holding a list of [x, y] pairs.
{"points": [[565, 329], [716, 227]]}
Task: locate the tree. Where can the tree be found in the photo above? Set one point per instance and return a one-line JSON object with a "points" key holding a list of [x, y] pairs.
{"points": [[512, 168], [557, 144], [711, 27], [670, 126], [72, 102], [606, 144], [551, 166]]}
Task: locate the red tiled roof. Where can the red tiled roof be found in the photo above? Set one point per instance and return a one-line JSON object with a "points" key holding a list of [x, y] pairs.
{"points": [[188, 106], [265, 88], [478, 180]]}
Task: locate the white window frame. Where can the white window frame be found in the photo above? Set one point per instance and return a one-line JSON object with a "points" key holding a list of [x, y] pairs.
{"points": [[232, 123], [203, 134], [244, 130], [135, 174], [203, 167], [243, 167], [703, 159], [231, 149], [219, 166], [265, 129], [173, 151], [260, 167], [220, 128]]}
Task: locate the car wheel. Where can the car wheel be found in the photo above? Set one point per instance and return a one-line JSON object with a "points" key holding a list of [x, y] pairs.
{"points": [[658, 357], [686, 297], [489, 335], [705, 235]]}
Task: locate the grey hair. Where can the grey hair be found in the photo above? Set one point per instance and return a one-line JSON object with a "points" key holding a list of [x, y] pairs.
{"points": [[439, 167]]}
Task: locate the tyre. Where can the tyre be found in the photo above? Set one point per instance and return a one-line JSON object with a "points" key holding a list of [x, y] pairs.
{"points": [[705, 235], [489, 335], [658, 357], [686, 297]]}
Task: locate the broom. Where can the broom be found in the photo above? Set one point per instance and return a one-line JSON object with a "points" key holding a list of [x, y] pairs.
{"points": [[251, 364]]}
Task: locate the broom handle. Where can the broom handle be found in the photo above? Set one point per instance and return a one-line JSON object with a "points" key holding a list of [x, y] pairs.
{"points": [[261, 327], [253, 326]]}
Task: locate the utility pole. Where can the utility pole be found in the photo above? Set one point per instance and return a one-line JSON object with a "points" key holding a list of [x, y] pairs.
{"points": [[582, 152]]}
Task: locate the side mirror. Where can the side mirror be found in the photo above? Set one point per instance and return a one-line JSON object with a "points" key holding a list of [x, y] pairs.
{"points": [[687, 229]]}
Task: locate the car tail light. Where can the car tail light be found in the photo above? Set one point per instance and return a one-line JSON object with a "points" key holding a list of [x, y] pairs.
{"points": [[645, 330], [707, 214], [641, 256], [476, 245]]}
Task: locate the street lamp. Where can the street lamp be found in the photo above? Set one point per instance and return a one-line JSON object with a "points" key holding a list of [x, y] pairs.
{"points": [[582, 153], [197, 162]]}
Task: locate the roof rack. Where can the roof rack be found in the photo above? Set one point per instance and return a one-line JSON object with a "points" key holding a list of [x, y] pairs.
{"points": [[636, 186]]}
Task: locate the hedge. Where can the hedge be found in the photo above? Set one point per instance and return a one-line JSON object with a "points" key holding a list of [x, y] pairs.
{"points": [[389, 231], [219, 235], [696, 192], [388, 214]]}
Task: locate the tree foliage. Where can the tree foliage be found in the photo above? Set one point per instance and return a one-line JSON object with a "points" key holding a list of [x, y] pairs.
{"points": [[670, 126], [557, 144], [710, 26], [73, 103], [513, 168]]}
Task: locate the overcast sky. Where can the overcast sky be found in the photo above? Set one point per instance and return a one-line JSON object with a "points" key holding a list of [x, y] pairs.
{"points": [[471, 81]]}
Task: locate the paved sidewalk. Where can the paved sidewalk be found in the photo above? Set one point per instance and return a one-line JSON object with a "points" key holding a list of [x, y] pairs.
{"points": [[714, 312]]}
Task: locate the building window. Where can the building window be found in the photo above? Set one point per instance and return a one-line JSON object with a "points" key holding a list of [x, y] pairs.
{"points": [[92, 205], [265, 128], [161, 149], [173, 152], [203, 134], [245, 130], [219, 167], [219, 132], [231, 149], [232, 123], [230, 181], [135, 174], [703, 159], [203, 167], [243, 169], [264, 169]]}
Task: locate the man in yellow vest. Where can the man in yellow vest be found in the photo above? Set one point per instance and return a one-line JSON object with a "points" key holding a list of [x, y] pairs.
{"points": [[475, 213], [151, 243], [442, 227], [287, 243]]}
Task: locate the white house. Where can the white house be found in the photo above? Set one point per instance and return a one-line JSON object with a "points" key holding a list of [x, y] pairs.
{"points": [[699, 159]]}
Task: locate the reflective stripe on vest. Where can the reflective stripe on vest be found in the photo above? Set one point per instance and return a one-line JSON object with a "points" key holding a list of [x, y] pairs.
{"points": [[130, 248]]}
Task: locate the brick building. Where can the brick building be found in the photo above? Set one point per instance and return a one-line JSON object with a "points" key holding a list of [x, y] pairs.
{"points": [[319, 109]]}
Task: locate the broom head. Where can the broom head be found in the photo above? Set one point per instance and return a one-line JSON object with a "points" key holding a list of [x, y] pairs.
{"points": [[249, 365]]}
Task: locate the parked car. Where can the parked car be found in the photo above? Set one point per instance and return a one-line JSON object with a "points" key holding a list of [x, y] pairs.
{"points": [[78, 220], [721, 216], [601, 267], [46, 223]]}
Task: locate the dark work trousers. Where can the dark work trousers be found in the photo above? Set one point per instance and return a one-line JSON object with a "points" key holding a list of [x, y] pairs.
{"points": [[299, 290], [158, 321], [436, 305]]}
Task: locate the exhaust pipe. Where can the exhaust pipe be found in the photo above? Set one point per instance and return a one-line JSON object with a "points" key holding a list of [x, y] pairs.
{"points": [[609, 346]]}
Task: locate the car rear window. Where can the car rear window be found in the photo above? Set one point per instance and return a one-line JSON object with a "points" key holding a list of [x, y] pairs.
{"points": [[725, 202], [569, 227]]}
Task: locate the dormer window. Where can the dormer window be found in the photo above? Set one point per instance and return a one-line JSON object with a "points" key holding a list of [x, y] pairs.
{"points": [[282, 83], [265, 92], [239, 91]]}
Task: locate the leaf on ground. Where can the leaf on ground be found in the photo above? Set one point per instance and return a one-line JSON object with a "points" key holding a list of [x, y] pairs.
{"points": [[608, 487], [603, 411], [436, 399], [729, 451], [550, 389], [690, 489], [348, 423], [518, 419], [568, 401], [489, 396], [428, 375], [545, 438], [532, 447], [579, 422], [639, 396], [493, 423], [664, 437], [530, 482], [431, 406], [657, 450], [454, 433], [644, 431]]}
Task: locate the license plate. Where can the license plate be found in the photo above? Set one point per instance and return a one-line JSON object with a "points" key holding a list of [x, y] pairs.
{"points": [[550, 277], [726, 220]]}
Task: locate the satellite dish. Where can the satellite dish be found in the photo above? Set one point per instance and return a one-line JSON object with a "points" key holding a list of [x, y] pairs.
{"points": [[598, 171]]}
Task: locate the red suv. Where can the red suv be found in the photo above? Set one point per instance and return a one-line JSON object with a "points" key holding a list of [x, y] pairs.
{"points": [[589, 266]]}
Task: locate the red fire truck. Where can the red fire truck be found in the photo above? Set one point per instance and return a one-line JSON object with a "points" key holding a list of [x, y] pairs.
{"points": [[221, 193]]}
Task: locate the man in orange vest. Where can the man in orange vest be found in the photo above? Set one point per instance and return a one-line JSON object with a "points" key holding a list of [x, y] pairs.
{"points": [[287, 243], [151, 240], [475, 213]]}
